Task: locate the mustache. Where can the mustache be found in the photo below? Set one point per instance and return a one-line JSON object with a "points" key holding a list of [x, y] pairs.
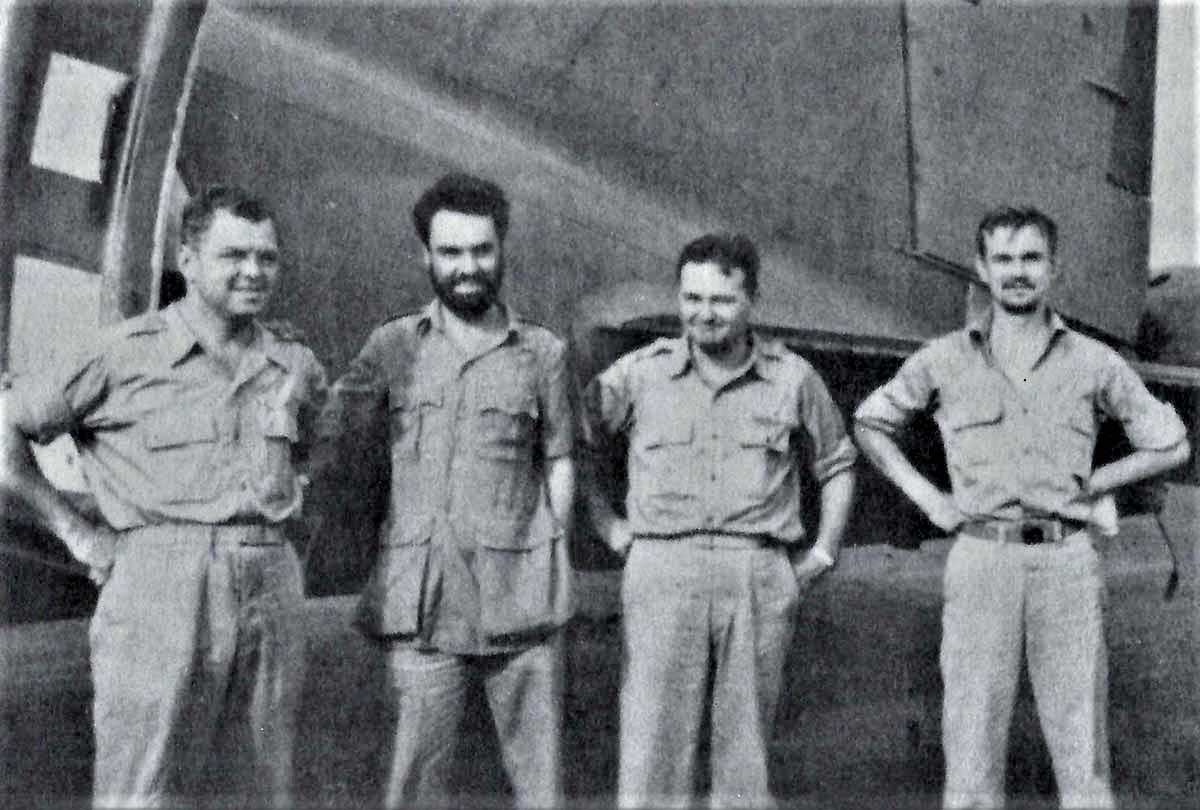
{"points": [[1020, 283]]}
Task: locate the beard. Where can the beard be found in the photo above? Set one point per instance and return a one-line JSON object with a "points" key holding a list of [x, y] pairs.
{"points": [[468, 305]]}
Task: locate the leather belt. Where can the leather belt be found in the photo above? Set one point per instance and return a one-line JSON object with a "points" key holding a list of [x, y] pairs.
{"points": [[1029, 532]]}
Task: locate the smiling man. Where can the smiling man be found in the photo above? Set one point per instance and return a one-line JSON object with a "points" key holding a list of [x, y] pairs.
{"points": [[472, 582], [1018, 397], [192, 425], [715, 562]]}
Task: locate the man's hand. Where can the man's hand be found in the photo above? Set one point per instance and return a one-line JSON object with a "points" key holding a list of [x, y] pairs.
{"points": [[95, 548], [1103, 515], [1098, 511], [620, 537], [809, 569], [942, 512]]}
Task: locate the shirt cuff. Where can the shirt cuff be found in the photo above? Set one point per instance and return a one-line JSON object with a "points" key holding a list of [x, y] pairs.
{"points": [[842, 458]]}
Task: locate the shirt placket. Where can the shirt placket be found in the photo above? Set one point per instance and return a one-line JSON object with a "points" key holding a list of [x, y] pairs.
{"points": [[244, 412]]}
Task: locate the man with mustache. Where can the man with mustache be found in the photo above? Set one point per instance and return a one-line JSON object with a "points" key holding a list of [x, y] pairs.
{"points": [[1018, 397], [712, 538], [472, 582], [193, 424]]}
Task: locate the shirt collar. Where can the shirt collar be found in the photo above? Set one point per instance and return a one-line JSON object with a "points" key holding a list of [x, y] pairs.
{"points": [[763, 353], [980, 326], [182, 338], [433, 316]]}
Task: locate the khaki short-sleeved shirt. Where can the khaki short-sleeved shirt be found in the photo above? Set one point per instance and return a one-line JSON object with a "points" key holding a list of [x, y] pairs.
{"points": [[165, 434], [724, 460], [1015, 451], [470, 552]]}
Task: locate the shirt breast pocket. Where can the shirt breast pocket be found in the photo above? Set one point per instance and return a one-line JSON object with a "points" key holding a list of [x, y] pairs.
{"points": [[668, 466], [759, 452], [975, 433], [180, 449], [1077, 435], [507, 426], [281, 430], [408, 411]]}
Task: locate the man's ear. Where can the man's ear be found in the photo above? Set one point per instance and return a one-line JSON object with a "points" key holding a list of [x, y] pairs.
{"points": [[184, 257]]}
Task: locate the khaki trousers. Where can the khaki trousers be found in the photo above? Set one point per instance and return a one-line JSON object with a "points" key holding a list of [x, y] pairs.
{"points": [[1046, 601], [196, 641], [707, 624], [524, 691]]}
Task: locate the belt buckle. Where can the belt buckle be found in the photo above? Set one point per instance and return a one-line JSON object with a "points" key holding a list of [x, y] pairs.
{"points": [[1033, 534]]}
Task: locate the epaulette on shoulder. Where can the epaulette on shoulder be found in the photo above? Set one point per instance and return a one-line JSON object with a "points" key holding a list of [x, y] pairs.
{"points": [[286, 331], [538, 325], [662, 345], [399, 316], [148, 323]]}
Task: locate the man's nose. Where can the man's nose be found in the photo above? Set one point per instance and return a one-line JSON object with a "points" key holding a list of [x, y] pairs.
{"points": [[252, 265]]}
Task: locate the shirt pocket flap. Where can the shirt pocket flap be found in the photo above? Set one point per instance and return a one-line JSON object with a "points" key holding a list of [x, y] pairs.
{"points": [[177, 431], [667, 433], [764, 433], [406, 397], [514, 403], [974, 413]]}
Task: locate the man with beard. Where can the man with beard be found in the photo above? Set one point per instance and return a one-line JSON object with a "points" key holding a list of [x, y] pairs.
{"points": [[1018, 397], [193, 424], [472, 582], [714, 564]]}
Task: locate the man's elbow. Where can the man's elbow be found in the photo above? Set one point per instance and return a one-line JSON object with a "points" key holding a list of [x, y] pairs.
{"points": [[1180, 453]]}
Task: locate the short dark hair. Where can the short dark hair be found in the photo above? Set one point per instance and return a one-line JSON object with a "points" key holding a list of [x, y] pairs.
{"points": [[466, 194], [1015, 217], [730, 251], [199, 211]]}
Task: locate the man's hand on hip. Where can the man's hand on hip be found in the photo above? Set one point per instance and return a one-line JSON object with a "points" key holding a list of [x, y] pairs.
{"points": [[942, 511], [808, 569]]}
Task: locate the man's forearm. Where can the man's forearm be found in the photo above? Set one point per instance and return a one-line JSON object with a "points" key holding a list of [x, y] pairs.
{"points": [[837, 495], [1138, 465], [600, 511], [887, 457], [21, 478]]}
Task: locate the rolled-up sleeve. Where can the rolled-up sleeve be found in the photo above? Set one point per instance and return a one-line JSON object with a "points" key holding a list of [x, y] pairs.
{"points": [[558, 427], [607, 405], [47, 404], [312, 404], [1149, 423], [895, 403], [833, 451], [356, 401]]}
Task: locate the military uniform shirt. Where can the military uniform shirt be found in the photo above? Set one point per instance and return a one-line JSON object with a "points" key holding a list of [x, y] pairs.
{"points": [[724, 460], [165, 434], [470, 551], [1016, 451]]}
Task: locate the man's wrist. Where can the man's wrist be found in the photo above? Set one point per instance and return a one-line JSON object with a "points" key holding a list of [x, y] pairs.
{"points": [[822, 556]]}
